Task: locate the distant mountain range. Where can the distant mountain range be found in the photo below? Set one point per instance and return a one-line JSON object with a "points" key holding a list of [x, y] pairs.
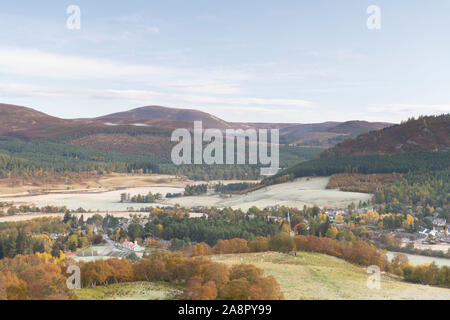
{"points": [[28, 123], [146, 132]]}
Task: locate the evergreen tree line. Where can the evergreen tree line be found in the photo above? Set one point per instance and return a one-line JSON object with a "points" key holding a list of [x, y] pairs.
{"points": [[400, 163], [208, 230]]}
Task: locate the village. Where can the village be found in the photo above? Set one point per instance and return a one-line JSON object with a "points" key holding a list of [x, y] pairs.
{"points": [[121, 240]]}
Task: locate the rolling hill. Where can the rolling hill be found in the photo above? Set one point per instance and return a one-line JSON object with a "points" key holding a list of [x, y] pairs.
{"points": [[328, 134], [306, 276], [15, 120], [318, 276], [143, 114], [356, 127]]}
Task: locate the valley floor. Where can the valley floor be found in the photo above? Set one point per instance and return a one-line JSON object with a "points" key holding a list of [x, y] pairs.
{"points": [[295, 194]]}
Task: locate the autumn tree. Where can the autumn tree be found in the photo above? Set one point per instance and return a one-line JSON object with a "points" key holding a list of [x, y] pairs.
{"points": [[282, 242], [46, 282], [16, 289], [201, 249], [3, 294], [266, 289], [198, 290], [260, 244]]}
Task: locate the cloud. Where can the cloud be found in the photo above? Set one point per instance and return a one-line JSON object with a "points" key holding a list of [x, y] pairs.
{"points": [[409, 108], [52, 78], [147, 96], [35, 63]]}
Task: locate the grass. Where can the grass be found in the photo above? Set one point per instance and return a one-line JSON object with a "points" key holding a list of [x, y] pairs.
{"points": [[310, 276], [131, 291], [318, 276]]}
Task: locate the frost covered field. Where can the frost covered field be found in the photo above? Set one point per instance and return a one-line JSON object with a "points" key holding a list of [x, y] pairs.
{"points": [[303, 191]]}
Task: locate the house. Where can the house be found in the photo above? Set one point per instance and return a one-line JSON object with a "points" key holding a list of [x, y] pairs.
{"points": [[438, 222], [54, 236], [132, 246], [427, 232], [274, 218], [124, 223]]}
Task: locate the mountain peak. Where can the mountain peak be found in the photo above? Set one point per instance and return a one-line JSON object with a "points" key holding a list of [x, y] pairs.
{"points": [[165, 113]]}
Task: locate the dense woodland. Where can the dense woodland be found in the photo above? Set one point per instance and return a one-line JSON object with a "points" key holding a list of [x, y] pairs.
{"points": [[195, 189], [368, 164], [356, 182], [58, 157], [44, 159], [419, 189], [37, 158], [208, 230]]}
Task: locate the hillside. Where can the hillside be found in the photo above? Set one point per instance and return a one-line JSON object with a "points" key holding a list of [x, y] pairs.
{"points": [[306, 276], [425, 133], [322, 277], [328, 134], [131, 291], [367, 164], [144, 114], [16, 119], [298, 130], [356, 127], [146, 131]]}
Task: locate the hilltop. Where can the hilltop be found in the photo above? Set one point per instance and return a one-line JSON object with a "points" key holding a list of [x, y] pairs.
{"points": [[143, 114], [16, 119], [357, 127]]}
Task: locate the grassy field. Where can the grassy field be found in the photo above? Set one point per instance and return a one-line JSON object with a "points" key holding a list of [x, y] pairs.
{"points": [[317, 276], [131, 291], [305, 276]]}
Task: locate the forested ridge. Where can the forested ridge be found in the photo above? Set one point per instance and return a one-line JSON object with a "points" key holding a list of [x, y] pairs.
{"points": [[367, 164], [423, 133], [29, 158]]}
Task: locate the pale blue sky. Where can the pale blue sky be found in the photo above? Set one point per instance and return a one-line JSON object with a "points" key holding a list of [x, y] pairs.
{"points": [[276, 61]]}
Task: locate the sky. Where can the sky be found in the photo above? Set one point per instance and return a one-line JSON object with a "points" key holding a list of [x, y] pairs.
{"points": [[255, 60]]}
